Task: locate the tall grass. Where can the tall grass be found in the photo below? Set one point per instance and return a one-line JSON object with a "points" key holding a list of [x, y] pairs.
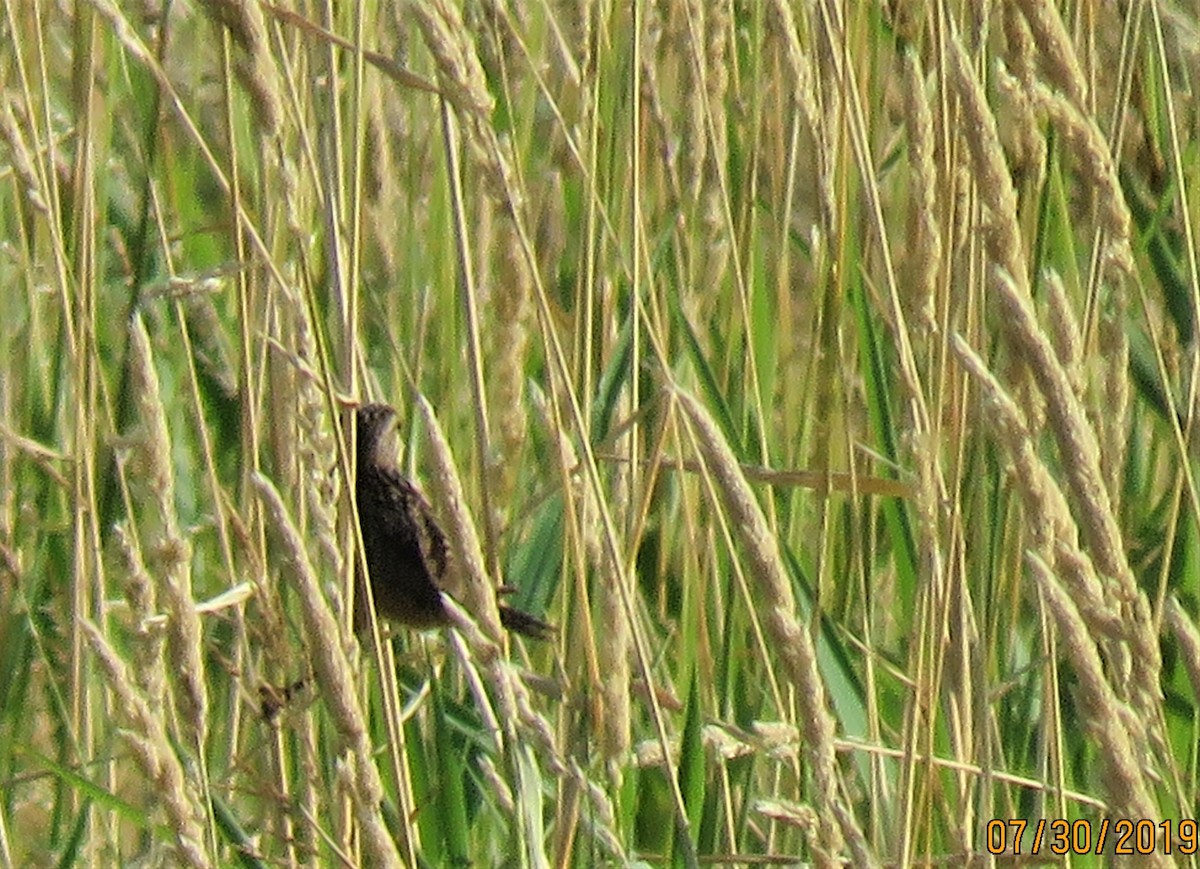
{"points": [[825, 372]]}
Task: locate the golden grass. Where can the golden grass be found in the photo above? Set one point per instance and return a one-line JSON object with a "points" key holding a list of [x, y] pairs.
{"points": [[825, 372]]}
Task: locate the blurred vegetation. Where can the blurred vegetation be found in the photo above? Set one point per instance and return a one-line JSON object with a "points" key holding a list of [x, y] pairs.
{"points": [[825, 372]]}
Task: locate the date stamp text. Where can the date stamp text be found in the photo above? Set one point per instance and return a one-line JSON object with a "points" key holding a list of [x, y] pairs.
{"points": [[1122, 836]]}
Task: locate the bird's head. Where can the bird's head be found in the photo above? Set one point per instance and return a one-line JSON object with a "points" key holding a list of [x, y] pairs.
{"points": [[373, 423]]}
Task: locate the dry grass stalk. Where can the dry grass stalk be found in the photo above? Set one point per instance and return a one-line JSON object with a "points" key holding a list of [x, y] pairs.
{"points": [[501, 30], [302, 445], [1080, 455], [510, 346], [153, 753], [948, 664], [148, 639], [551, 224], [516, 719], [1186, 634], [184, 639], [694, 73], [22, 158], [259, 77], [170, 552], [1050, 35], [1064, 329], [1054, 533], [1076, 440], [242, 19], [472, 646], [693, 156], [253, 64], [1047, 514], [1022, 130], [515, 707], [474, 587], [586, 19], [613, 658], [465, 86], [316, 441], [512, 723], [1019, 43], [717, 31], [795, 647], [1097, 169], [805, 93], [459, 71], [208, 337], [280, 441], [652, 100], [924, 234], [1112, 346], [599, 817], [992, 179], [154, 474], [1099, 706], [614, 652], [333, 673], [497, 786]]}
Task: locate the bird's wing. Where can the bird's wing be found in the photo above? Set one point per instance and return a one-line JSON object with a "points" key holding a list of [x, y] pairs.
{"points": [[409, 518]]}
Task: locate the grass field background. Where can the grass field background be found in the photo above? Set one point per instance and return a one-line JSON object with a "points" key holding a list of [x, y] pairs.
{"points": [[827, 373]]}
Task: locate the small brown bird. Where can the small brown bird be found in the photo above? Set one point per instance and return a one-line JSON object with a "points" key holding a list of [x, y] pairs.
{"points": [[406, 551]]}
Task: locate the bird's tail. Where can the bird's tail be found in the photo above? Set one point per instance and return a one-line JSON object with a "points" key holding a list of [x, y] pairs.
{"points": [[521, 622]]}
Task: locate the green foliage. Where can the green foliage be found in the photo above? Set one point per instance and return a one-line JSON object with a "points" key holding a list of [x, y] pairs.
{"points": [[553, 221]]}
